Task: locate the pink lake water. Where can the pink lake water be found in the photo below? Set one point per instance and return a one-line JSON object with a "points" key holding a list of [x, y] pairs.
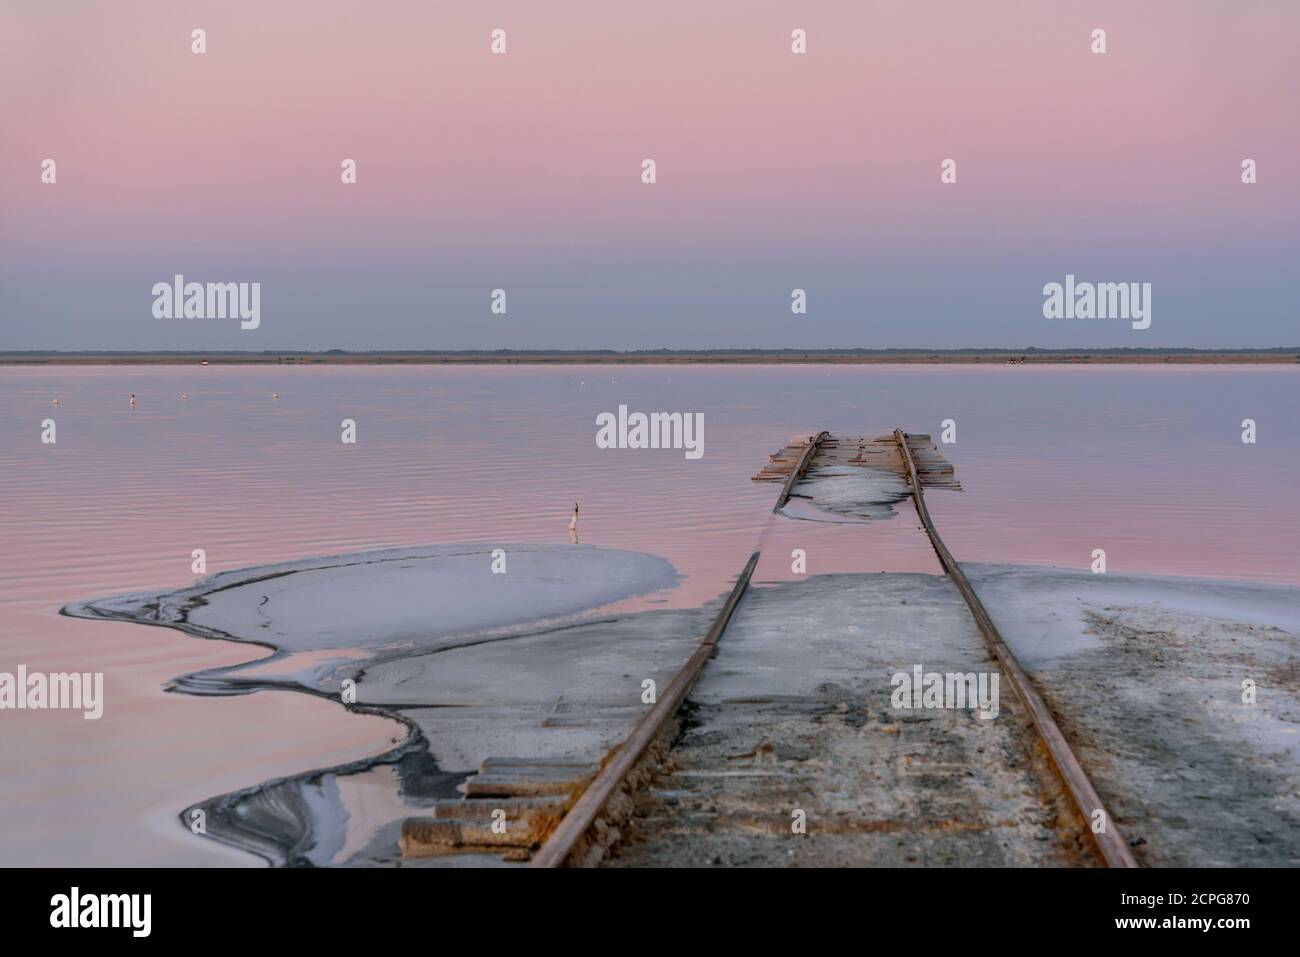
{"points": [[1144, 462]]}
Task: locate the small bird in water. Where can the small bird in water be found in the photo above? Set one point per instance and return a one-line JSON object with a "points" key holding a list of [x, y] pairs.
{"points": [[573, 523], [275, 395], [133, 400], [56, 401], [185, 395]]}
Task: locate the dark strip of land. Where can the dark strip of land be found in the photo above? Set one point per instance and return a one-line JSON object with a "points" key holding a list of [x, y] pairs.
{"points": [[1034, 356]]}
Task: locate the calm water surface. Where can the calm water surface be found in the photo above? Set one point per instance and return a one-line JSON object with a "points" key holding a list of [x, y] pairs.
{"points": [[1146, 463]]}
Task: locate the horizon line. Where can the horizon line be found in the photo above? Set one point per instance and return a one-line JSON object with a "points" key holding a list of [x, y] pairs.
{"points": [[1274, 355]]}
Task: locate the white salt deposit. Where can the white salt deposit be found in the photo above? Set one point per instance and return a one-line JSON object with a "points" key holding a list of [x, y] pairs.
{"points": [[401, 595], [854, 491]]}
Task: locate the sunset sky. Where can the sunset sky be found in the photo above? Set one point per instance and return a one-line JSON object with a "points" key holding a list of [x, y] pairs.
{"points": [[522, 171]]}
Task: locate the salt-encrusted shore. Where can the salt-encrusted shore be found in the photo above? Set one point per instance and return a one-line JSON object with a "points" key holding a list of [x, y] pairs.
{"points": [[386, 597], [1144, 674], [1180, 696], [335, 618], [793, 722]]}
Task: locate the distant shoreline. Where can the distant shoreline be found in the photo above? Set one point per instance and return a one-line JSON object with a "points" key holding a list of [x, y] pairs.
{"points": [[1288, 356]]}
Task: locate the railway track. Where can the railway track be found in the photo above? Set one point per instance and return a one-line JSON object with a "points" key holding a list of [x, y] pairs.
{"points": [[567, 839], [801, 466], [564, 833], [1109, 842]]}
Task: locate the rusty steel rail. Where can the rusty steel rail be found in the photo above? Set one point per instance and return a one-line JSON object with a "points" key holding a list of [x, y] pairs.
{"points": [[799, 469], [560, 843], [1110, 843]]}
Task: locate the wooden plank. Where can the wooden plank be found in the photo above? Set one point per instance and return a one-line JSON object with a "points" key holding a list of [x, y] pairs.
{"points": [[520, 785], [424, 837], [455, 810], [880, 452], [935, 471], [1111, 844], [587, 808], [491, 764]]}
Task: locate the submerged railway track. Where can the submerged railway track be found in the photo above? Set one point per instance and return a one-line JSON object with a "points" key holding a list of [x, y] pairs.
{"points": [[574, 814]]}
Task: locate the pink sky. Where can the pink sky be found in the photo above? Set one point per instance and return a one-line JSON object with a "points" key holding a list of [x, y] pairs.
{"points": [[526, 166]]}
